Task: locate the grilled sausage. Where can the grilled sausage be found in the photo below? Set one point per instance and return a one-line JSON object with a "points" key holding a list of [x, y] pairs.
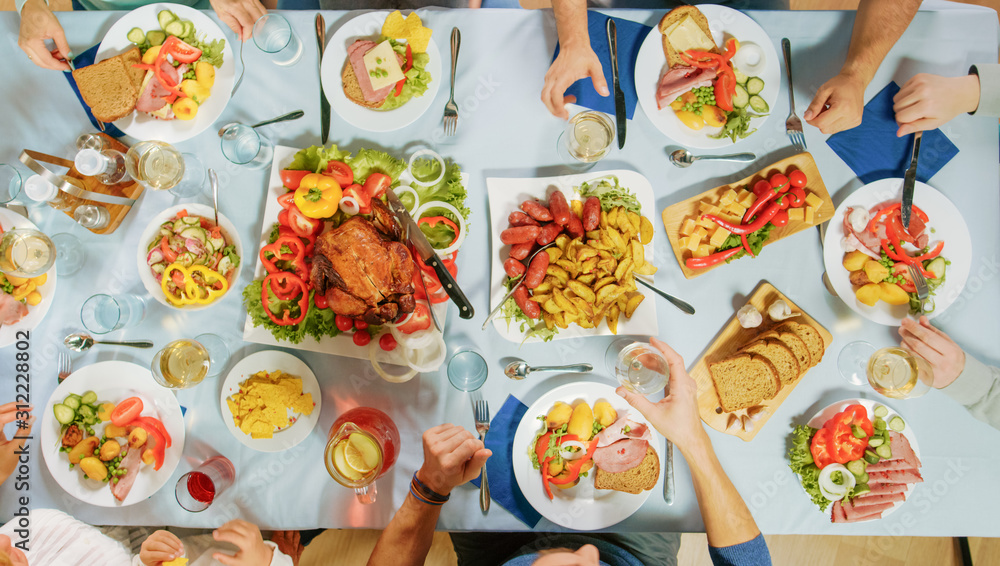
{"points": [[520, 234], [591, 214], [536, 271], [575, 227], [548, 234], [521, 251], [528, 307], [518, 218], [513, 268], [559, 208], [536, 210]]}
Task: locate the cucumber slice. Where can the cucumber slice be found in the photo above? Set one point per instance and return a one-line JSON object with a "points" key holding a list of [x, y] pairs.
{"points": [[87, 412], [136, 36], [881, 411], [156, 37], [164, 18], [191, 220], [879, 424], [188, 29], [741, 78], [218, 243], [758, 104], [856, 467], [871, 457], [861, 488], [740, 97], [876, 441], [186, 259], [89, 398], [755, 85], [884, 452], [64, 414], [179, 225], [896, 423], [174, 28], [72, 401], [937, 265], [857, 432], [195, 233]]}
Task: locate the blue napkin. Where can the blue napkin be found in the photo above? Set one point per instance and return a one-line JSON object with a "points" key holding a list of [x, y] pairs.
{"points": [[630, 37], [83, 60], [503, 486], [874, 152]]}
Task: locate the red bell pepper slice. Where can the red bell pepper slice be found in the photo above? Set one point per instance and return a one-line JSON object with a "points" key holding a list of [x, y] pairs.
{"points": [[730, 49], [574, 467], [154, 423], [820, 448], [285, 281], [433, 221], [409, 58], [724, 90], [159, 444], [296, 255]]}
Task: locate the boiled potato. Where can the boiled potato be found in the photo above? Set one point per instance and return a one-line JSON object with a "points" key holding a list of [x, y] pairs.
{"points": [[33, 298], [859, 278], [853, 261], [605, 413], [94, 468], [893, 294], [581, 423], [114, 431], [137, 437], [556, 466], [869, 294], [110, 450], [104, 413], [83, 449], [875, 271], [558, 415]]}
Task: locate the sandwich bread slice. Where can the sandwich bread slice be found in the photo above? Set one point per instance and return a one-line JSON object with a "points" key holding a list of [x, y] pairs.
{"points": [[683, 28], [635, 480], [111, 88]]}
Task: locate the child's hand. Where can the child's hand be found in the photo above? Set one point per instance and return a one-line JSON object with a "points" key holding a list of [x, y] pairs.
{"points": [[160, 547]]}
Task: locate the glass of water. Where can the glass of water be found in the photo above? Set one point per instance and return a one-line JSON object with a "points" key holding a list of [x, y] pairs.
{"points": [[194, 177], [273, 34], [637, 366], [242, 145], [467, 370], [10, 183], [218, 352], [70, 255], [26, 253], [106, 313]]}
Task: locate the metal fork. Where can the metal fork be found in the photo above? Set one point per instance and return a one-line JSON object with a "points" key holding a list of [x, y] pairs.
{"points": [[65, 366], [793, 125], [243, 69], [923, 291], [451, 109], [482, 411]]}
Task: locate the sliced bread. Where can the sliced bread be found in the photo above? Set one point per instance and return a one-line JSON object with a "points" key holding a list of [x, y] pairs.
{"points": [[798, 347], [131, 58], [107, 87], [640, 478], [744, 380], [678, 15], [353, 90], [809, 335], [780, 356]]}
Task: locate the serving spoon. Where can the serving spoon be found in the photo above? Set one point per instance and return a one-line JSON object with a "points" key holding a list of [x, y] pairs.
{"points": [[684, 158], [82, 342], [520, 370], [283, 118]]}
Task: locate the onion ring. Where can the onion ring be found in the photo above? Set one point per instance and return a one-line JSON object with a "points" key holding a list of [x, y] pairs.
{"points": [[569, 455], [373, 349], [408, 189], [350, 205], [421, 360], [432, 155], [419, 339]]}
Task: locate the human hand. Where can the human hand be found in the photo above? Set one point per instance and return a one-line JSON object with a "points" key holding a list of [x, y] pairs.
{"points": [[9, 448], [927, 101], [838, 104], [946, 358], [452, 456], [290, 543], [246, 536], [676, 415], [575, 61], [159, 547], [239, 15], [38, 23]]}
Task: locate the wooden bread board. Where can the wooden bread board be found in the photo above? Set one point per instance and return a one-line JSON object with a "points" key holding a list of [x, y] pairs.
{"points": [[675, 214], [731, 338]]}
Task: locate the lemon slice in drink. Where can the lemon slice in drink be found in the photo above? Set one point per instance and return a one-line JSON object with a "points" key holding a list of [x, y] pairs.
{"points": [[361, 453], [340, 462]]}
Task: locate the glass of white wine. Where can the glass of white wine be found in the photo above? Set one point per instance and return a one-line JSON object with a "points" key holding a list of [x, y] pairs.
{"points": [[899, 373], [587, 139], [26, 253], [155, 165], [181, 364]]}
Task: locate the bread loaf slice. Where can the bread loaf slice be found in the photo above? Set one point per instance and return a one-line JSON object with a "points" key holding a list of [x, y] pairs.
{"points": [[640, 478], [798, 347], [743, 380], [107, 87], [675, 16], [809, 335], [131, 58], [353, 90], [780, 356]]}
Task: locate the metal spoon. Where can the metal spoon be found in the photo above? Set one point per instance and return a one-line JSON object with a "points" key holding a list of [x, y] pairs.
{"points": [[283, 118], [684, 158], [676, 302], [520, 370], [213, 180], [83, 342]]}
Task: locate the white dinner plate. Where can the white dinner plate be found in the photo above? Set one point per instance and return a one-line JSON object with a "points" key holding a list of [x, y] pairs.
{"points": [[113, 381], [8, 332], [142, 126], [724, 23], [369, 26], [269, 361], [946, 223], [820, 418], [152, 230], [506, 196], [581, 508]]}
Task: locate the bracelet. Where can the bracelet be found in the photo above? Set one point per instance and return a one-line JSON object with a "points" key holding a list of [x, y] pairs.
{"points": [[426, 494]]}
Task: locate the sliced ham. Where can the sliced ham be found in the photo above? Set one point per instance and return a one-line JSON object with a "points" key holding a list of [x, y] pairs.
{"points": [[900, 448], [891, 466], [131, 462], [862, 240], [895, 476], [680, 79], [837, 514], [887, 488], [356, 53], [11, 310], [615, 432], [849, 513], [870, 499], [623, 455], [149, 101]]}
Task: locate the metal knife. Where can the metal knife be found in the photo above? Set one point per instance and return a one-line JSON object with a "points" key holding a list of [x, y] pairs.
{"points": [[324, 104], [909, 180], [668, 475], [619, 95], [429, 256]]}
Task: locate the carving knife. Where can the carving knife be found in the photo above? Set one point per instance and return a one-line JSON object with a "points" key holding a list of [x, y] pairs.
{"points": [[619, 95], [909, 180], [324, 104], [429, 256]]}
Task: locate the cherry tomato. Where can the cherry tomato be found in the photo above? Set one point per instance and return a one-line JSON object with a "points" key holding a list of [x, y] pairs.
{"points": [[778, 181], [361, 338], [900, 270], [797, 178], [292, 179], [797, 197], [288, 199], [781, 218], [126, 411], [376, 184], [761, 187], [341, 172], [344, 323], [360, 324], [387, 342], [320, 301]]}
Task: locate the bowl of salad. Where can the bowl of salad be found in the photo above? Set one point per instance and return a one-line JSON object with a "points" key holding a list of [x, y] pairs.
{"points": [[186, 261]]}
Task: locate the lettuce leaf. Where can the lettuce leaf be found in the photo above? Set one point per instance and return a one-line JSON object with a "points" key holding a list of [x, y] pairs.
{"points": [[610, 195], [369, 161], [315, 158], [450, 189], [318, 322], [440, 235], [801, 462], [417, 78]]}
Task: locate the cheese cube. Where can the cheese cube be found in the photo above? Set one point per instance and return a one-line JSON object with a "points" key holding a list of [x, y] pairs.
{"points": [[704, 207], [702, 251], [693, 243], [813, 200], [719, 236], [706, 223], [700, 233], [682, 243], [728, 197], [736, 208], [731, 218], [746, 198], [687, 227], [796, 214], [810, 214]]}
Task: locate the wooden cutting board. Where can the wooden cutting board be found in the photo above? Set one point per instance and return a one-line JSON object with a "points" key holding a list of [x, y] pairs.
{"points": [[732, 337], [675, 214]]}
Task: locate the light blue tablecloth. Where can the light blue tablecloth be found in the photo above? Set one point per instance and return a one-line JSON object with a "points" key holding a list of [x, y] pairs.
{"points": [[506, 131]]}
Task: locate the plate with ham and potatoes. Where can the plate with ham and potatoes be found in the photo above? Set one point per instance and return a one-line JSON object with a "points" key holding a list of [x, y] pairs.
{"points": [[604, 457]]}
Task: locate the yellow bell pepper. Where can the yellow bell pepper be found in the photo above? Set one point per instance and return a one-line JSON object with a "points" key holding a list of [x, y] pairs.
{"points": [[194, 293], [318, 196]]}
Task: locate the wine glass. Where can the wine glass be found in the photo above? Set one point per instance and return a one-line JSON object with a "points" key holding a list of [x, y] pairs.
{"points": [[853, 362]]}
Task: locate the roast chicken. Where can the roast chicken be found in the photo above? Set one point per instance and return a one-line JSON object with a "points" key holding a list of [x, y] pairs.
{"points": [[363, 269]]}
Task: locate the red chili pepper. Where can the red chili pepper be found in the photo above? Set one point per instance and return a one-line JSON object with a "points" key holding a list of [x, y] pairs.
{"points": [[710, 260], [762, 199], [746, 245], [285, 280], [756, 224]]}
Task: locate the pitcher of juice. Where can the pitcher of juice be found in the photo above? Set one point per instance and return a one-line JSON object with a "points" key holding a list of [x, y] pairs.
{"points": [[362, 446]]}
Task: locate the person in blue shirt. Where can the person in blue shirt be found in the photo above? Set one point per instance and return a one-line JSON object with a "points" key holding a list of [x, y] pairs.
{"points": [[452, 456]]}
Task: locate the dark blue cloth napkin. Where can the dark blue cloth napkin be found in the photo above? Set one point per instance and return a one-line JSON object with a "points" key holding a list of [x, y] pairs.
{"points": [[874, 152], [503, 486], [630, 37], [83, 60]]}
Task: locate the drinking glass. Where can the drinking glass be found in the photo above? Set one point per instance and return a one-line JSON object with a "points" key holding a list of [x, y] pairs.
{"points": [[10, 183], [106, 313], [637, 366], [181, 364], [467, 370], [194, 177], [155, 165], [852, 362], [70, 255], [196, 489], [899, 373], [26, 253], [586, 139], [242, 145], [362, 446], [218, 352], [273, 34]]}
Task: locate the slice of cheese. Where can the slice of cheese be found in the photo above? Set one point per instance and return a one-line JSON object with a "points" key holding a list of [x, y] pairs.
{"points": [[686, 34], [383, 67]]}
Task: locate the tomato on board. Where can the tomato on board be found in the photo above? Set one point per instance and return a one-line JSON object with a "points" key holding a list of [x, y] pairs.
{"points": [[761, 188], [797, 178], [778, 181], [362, 338], [376, 184], [343, 323], [126, 411], [292, 179], [387, 342], [900, 269], [780, 219], [340, 171]]}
